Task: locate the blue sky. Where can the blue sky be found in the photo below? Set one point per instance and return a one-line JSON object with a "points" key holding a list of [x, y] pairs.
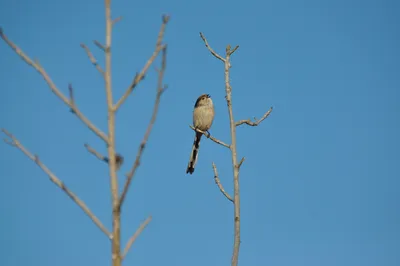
{"points": [[321, 177]]}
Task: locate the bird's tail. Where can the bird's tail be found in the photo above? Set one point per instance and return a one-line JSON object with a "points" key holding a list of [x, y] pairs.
{"points": [[194, 153]]}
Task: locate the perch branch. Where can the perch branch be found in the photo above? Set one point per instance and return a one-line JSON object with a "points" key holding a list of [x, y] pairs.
{"points": [[53, 178], [140, 76], [210, 137], [54, 88], [160, 90], [255, 123], [221, 188], [211, 49], [93, 59], [135, 236]]}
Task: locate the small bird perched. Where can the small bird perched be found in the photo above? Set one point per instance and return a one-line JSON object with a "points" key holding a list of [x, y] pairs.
{"points": [[203, 116]]}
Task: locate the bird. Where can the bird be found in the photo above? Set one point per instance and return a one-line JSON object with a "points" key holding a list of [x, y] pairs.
{"points": [[203, 117]]}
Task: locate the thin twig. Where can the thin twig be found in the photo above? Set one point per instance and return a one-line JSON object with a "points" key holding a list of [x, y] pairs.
{"points": [[116, 20], [255, 123], [160, 90], [119, 159], [210, 49], [218, 182], [53, 178], [140, 76], [233, 50], [54, 88], [96, 153], [241, 161], [99, 45], [93, 59], [135, 236], [210, 137]]}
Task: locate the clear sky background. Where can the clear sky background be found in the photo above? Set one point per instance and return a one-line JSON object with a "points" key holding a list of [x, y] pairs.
{"points": [[320, 184]]}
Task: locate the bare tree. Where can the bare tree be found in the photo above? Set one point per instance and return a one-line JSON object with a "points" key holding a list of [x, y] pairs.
{"points": [[232, 147], [114, 160]]}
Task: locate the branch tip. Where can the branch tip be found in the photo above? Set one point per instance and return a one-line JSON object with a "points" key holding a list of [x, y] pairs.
{"points": [[210, 49], [116, 20], [99, 45], [135, 236], [218, 182], [165, 19], [234, 49], [256, 122]]}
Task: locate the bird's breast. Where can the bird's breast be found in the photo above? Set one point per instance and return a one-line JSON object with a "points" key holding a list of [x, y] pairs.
{"points": [[203, 117]]}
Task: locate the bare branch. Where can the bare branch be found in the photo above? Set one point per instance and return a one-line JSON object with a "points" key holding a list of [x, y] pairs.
{"points": [[93, 59], [116, 20], [53, 178], [236, 166], [160, 90], [255, 123], [116, 211], [221, 188], [54, 88], [210, 49], [119, 159], [135, 236], [210, 137], [99, 45], [234, 49], [96, 153], [140, 76], [240, 163]]}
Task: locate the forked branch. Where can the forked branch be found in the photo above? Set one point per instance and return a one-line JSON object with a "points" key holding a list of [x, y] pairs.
{"points": [[54, 88], [13, 141]]}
